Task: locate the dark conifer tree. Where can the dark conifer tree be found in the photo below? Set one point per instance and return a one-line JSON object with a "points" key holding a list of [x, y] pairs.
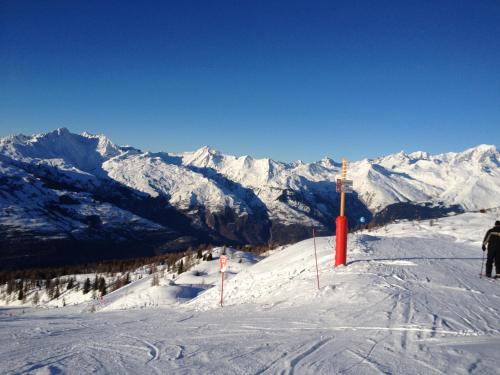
{"points": [[56, 292], [36, 298], [86, 286], [20, 295], [11, 284], [50, 291], [102, 286]]}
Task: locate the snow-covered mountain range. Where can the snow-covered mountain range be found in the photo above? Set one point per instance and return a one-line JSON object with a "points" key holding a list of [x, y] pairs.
{"points": [[60, 190]]}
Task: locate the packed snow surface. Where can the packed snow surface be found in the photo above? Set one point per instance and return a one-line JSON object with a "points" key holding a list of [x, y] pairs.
{"points": [[410, 301]]}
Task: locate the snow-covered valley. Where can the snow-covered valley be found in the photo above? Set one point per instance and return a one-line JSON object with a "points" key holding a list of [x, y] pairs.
{"points": [[409, 301]]}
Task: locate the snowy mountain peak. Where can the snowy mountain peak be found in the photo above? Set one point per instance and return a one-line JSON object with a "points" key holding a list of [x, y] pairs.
{"points": [[203, 157], [328, 162], [479, 154], [208, 150], [62, 131], [401, 154], [62, 148], [419, 155], [105, 147], [484, 148], [14, 138], [482, 153]]}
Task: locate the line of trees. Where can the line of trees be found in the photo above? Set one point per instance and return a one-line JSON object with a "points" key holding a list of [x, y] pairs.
{"points": [[55, 280], [104, 267]]}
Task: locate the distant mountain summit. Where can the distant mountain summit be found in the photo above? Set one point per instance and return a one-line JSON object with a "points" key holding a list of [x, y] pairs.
{"points": [[78, 197]]}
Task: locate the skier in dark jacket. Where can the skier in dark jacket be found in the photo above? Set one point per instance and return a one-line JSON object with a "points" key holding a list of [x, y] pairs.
{"points": [[492, 240]]}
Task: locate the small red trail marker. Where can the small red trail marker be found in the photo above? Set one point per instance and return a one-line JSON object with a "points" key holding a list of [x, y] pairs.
{"points": [[223, 268], [223, 263]]}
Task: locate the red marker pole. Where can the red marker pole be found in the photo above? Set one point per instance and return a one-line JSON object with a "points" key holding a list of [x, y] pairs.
{"points": [[316, 256], [341, 225], [341, 241]]}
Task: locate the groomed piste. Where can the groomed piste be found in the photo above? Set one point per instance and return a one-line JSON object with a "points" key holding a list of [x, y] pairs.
{"points": [[409, 301]]}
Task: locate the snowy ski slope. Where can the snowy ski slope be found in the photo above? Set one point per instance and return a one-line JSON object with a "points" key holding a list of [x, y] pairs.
{"points": [[410, 301]]}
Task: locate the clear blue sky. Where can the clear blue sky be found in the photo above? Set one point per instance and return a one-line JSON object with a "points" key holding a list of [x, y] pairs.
{"points": [[285, 79]]}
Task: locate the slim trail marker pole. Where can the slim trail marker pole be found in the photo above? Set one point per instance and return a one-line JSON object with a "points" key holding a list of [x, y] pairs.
{"points": [[222, 290], [316, 256], [223, 267]]}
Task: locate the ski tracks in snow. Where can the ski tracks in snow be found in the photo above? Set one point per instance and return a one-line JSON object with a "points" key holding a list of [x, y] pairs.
{"points": [[152, 349], [289, 363]]}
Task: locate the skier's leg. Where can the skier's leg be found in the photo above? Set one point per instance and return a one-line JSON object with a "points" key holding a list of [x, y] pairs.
{"points": [[489, 262], [497, 262]]}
